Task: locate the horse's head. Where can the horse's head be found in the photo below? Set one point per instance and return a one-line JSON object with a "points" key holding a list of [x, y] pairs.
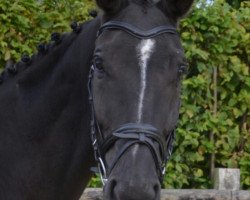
{"points": [[134, 83]]}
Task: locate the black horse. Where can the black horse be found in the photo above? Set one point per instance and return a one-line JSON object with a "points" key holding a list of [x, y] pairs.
{"points": [[112, 83]]}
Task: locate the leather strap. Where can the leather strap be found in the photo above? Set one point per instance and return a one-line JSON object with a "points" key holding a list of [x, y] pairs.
{"points": [[135, 31], [133, 133]]}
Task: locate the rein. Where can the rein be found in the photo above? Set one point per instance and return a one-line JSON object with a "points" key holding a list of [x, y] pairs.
{"points": [[132, 133]]}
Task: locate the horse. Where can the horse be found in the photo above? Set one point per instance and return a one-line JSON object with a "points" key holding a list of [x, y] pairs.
{"points": [[106, 93]]}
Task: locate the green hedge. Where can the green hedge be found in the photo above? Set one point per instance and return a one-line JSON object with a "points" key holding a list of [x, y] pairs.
{"points": [[215, 96], [26, 23], [214, 117]]}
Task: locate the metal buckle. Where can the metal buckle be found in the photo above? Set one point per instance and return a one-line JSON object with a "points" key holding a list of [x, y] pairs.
{"points": [[163, 171]]}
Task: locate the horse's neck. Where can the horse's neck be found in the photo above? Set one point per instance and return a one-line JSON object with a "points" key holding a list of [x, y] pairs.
{"points": [[44, 116], [73, 54]]}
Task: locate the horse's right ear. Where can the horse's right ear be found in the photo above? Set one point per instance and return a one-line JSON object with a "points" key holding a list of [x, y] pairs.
{"points": [[109, 6]]}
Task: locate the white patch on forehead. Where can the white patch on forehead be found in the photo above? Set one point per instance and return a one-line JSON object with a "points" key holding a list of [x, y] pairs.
{"points": [[144, 50], [135, 150]]}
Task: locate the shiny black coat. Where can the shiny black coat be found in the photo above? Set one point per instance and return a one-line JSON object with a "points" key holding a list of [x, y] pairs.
{"points": [[45, 148]]}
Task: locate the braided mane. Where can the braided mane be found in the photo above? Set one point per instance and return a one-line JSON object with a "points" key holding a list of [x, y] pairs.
{"points": [[45, 53]]}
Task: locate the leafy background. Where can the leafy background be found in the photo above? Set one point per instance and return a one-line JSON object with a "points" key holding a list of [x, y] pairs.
{"points": [[214, 121]]}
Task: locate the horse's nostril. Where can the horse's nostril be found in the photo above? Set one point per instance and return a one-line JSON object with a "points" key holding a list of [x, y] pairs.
{"points": [[109, 190], [157, 189], [112, 186]]}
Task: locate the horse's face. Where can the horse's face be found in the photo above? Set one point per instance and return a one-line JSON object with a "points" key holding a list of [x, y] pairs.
{"points": [[136, 81]]}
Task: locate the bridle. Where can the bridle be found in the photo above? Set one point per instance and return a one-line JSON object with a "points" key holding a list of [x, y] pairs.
{"points": [[132, 133]]}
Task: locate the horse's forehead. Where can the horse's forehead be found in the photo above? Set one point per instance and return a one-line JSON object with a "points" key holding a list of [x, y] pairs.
{"points": [[126, 46], [145, 18], [116, 41]]}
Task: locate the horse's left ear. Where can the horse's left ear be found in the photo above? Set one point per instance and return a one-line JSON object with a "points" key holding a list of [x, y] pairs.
{"points": [[178, 8]]}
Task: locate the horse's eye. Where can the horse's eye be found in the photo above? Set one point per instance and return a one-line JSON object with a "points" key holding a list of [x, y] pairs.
{"points": [[183, 69], [99, 66]]}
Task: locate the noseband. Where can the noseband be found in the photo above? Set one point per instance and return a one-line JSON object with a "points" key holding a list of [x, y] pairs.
{"points": [[131, 133]]}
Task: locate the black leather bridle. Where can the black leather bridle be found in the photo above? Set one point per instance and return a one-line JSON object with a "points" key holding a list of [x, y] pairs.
{"points": [[132, 133]]}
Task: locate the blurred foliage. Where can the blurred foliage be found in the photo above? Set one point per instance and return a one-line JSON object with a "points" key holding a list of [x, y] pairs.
{"points": [[234, 3], [26, 23], [214, 36]]}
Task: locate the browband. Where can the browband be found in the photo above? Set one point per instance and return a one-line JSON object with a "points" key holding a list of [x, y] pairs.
{"points": [[135, 31]]}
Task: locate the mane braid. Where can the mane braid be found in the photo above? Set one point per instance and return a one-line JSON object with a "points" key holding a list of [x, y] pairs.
{"points": [[43, 51]]}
